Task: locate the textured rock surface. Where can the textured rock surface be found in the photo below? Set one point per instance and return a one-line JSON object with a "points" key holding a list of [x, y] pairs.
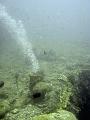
{"points": [[4, 108], [49, 94], [60, 115]]}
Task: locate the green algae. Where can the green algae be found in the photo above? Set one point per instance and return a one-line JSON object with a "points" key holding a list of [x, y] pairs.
{"points": [[4, 108], [60, 115], [54, 87]]}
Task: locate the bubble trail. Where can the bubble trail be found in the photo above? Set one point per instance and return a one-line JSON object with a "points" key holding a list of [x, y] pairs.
{"points": [[18, 32]]}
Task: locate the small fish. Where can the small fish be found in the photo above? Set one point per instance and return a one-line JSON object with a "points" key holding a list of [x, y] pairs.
{"points": [[45, 52]]}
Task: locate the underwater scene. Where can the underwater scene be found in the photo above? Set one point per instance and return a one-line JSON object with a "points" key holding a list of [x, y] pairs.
{"points": [[44, 60]]}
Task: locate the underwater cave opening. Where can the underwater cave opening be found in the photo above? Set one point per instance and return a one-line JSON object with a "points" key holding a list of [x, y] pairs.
{"points": [[38, 96]]}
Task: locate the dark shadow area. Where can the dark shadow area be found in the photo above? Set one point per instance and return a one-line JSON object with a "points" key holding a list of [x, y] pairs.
{"points": [[85, 107], [84, 88], [37, 96], [80, 101], [84, 94]]}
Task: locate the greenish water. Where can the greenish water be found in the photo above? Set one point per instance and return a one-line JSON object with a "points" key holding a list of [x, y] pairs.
{"points": [[59, 35]]}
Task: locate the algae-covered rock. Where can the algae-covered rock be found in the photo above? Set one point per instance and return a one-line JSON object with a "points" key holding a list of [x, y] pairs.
{"points": [[43, 94], [25, 113], [46, 95], [49, 94], [4, 108], [60, 115]]}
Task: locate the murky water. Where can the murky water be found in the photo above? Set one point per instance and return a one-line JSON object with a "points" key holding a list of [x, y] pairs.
{"points": [[50, 36]]}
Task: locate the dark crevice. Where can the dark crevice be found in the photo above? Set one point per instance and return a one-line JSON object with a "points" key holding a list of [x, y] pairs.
{"points": [[84, 113], [36, 95], [84, 88], [81, 97]]}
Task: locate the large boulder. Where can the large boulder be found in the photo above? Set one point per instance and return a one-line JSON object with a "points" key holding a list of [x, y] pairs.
{"points": [[49, 94], [60, 115]]}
